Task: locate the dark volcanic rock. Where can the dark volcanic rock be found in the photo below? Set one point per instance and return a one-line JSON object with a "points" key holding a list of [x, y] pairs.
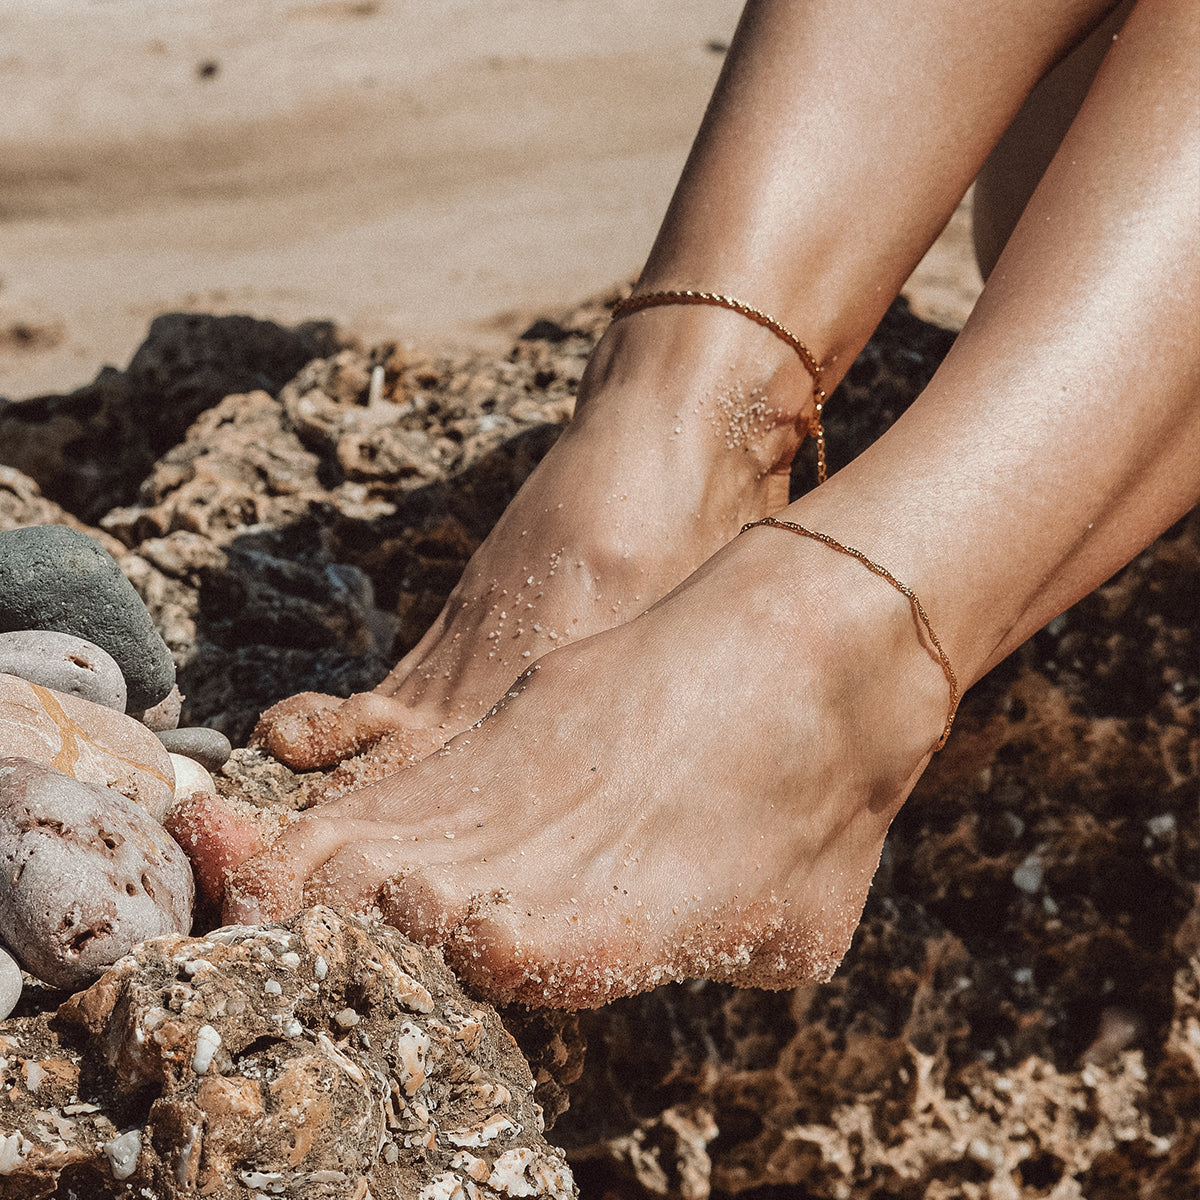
{"points": [[53, 577], [91, 449]]}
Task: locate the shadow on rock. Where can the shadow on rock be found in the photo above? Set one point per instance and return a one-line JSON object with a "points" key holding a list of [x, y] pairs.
{"points": [[91, 449]]}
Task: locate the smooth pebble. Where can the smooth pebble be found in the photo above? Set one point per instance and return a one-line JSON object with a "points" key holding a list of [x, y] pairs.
{"points": [[209, 747], [85, 874], [87, 741], [10, 983], [191, 777], [65, 663], [164, 715], [55, 577]]}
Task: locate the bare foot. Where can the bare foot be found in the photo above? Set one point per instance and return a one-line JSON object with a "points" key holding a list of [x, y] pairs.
{"points": [[661, 465], [703, 791]]}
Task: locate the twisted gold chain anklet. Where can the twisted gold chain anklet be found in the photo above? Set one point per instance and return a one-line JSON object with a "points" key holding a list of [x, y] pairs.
{"points": [[904, 590], [632, 304]]}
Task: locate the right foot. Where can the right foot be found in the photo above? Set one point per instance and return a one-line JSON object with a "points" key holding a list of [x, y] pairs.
{"points": [[654, 473], [701, 792]]}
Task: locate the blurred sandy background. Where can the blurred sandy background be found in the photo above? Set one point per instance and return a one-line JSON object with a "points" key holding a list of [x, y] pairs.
{"points": [[436, 171]]}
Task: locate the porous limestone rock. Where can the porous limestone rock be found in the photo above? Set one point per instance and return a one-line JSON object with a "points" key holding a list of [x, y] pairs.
{"points": [[85, 874], [64, 663], [87, 741], [322, 1059]]}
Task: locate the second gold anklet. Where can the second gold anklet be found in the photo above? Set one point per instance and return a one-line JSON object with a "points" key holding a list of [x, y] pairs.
{"points": [[904, 590], [632, 304]]}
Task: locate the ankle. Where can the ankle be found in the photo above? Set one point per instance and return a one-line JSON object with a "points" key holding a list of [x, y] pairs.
{"points": [[701, 366], [858, 647]]}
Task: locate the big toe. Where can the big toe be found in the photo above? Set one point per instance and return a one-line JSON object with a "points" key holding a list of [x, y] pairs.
{"points": [[311, 730]]}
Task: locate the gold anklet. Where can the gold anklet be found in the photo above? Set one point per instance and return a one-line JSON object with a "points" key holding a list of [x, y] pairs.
{"points": [[632, 304], [904, 590]]}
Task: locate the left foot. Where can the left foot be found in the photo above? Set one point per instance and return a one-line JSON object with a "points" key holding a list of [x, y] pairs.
{"points": [[702, 792], [662, 463]]}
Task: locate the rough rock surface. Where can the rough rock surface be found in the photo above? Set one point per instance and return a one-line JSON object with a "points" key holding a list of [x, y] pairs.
{"points": [[85, 874], [64, 663], [54, 577], [89, 450], [1019, 1015], [323, 1058], [87, 741]]}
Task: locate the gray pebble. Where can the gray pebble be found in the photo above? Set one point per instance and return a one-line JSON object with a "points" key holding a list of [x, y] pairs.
{"points": [[54, 577], [65, 663], [164, 715], [10, 983], [209, 747], [85, 874]]}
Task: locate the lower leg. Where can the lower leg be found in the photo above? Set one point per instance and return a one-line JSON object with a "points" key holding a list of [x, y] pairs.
{"points": [[1016, 164], [688, 418]]}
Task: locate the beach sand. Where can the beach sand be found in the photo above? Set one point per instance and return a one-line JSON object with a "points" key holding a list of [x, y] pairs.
{"points": [[437, 174]]}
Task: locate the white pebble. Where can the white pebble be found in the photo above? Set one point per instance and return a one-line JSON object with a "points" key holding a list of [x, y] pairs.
{"points": [[208, 1042], [1161, 826], [1028, 876], [10, 984], [123, 1153], [190, 778]]}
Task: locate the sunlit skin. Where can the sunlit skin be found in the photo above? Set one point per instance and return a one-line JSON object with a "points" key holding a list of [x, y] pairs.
{"points": [[704, 789]]}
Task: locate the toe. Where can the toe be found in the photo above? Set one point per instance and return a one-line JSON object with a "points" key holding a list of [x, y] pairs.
{"points": [[312, 730], [218, 833], [271, 884], [395, 750]]}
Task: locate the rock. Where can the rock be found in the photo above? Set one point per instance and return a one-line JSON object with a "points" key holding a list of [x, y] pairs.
{"points": [[64, 663], [47, 570], [235, 1077], [22, 503], [87, 741], [11, 983], [85, 874], [190, 777], [164, 715], [91, 449], [209, 747]]}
